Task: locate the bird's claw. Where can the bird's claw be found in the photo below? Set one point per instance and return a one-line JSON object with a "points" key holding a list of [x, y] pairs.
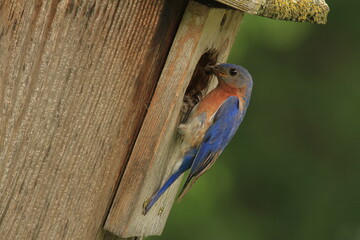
{"points": [[187, 105]]}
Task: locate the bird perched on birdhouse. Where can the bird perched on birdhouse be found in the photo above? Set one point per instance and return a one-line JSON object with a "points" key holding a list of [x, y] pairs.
{"points": [[210, 126]]}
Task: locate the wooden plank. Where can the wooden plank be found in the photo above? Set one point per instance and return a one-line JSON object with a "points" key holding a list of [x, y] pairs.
{"points": [[202, 28], [314, 11], [105, 235], [76, 78]]}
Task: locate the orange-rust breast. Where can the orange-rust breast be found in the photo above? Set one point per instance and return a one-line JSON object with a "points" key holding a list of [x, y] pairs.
{"points": [[209, 105], [212, 101]]}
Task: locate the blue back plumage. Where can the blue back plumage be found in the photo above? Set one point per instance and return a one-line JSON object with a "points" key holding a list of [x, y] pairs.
{"points": [[209, 143], [225, 123]]}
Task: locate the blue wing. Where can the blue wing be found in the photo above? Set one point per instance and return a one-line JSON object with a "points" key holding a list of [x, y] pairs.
{"points": [[226, 121]]}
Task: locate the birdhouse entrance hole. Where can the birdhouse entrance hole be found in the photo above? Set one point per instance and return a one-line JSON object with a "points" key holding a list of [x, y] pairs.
{"points": [[199, 82]]}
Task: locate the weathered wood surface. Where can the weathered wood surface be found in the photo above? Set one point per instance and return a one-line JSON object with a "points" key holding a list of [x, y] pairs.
{"points": [[76, 78], [202, 28], [314, 11], [105, 235]]}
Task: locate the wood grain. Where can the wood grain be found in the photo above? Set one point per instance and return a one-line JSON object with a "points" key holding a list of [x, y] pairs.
{"points": [[202, 28], [76, 78], [314, 11], [105, 235]]}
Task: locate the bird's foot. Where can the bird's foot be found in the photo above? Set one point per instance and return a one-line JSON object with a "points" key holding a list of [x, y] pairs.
{"points": [[189, 103]]}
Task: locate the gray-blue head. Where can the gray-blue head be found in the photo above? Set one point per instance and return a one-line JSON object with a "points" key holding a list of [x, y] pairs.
{"points": [[231, 74]]}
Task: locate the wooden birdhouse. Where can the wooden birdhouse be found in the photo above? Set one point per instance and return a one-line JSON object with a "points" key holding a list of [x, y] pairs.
{"points": [[91, 94]]}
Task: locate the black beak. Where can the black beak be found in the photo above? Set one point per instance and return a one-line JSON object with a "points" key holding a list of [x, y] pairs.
{"points": [[210, 70]]}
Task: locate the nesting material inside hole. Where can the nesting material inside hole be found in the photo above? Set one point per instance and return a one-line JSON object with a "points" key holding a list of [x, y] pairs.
{"points": [[199, 82]]}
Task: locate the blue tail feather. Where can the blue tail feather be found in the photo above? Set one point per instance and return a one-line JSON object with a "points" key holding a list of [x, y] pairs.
{"points": [[186, 164]]}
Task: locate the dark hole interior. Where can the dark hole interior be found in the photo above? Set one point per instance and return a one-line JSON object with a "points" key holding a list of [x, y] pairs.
{"points": [[199, 82]]}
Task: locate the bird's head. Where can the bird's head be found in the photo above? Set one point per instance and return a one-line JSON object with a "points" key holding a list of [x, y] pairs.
{"points": [[231, 74]]}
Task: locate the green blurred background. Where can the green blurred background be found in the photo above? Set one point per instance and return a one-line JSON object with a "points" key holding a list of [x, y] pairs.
{"points": [[293, 169]]}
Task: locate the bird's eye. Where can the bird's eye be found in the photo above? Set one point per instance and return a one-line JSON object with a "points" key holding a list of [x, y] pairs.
{"points": [[233, 71]]}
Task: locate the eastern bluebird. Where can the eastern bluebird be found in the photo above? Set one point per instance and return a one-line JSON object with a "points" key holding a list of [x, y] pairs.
{"points": [[210, 126]]}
